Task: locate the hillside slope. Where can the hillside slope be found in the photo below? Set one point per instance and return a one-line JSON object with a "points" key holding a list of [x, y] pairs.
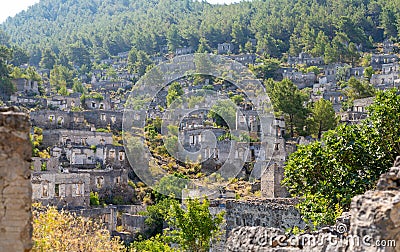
{"points": [[107, 27]]}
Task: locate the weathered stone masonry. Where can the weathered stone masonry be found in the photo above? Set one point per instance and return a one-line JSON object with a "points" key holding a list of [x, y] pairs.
{"points": [[15, 185], [372, 225], [276, 213]]}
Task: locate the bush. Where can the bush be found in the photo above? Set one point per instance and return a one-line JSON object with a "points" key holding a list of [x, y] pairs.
{"points": [[63, 231], [154, 244], [94, 199], [348, 161], [43, 167]]}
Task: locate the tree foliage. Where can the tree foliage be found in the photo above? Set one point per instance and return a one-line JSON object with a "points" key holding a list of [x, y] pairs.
{"points": [[63, 231], [322, 117], [356, 89], [61, 76], [6, 86], [265, 69], [194, 227], [347, 162], [154, 244], [175, 92], [171, 185], [289, 100], [321, 28], [157, 215], [224, 113]]}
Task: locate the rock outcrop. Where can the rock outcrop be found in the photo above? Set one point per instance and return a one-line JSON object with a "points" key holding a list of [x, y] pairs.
{"points": [[15, 185], [372, 225]]}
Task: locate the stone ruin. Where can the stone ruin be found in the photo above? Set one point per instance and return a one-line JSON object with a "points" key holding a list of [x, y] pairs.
{"points": [[372, 225], [15, 184]]}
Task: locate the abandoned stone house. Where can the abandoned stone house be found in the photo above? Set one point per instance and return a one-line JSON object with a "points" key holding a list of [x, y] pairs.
{"points": [[104, 119], [336, 97], [245, 59], [61, 189], [225, 48], [356, 72], [26, 87], [387, 46], [107, 179], [184, 50], [330, 72], [57, 103], [388, 79], [84, 150], [97, 104], [300, 79], [27, 101], [272, 173], [390, 68], [388, 76], [248, 120], [85, 120], [377, 60], [113, 85], [358, 111], [318, 91], [75, 137], [72, 173], [305, 59], [49, 119], [71, 190]]}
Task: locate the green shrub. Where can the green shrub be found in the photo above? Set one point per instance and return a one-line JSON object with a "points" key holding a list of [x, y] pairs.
{"points": [[94, 199]]}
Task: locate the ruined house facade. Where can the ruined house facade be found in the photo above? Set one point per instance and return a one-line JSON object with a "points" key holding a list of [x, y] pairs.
{"points": [[64, 190], [85, 120]]}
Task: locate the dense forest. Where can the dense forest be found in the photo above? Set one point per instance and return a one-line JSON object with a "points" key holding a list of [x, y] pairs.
{"points": [[98, 29]]}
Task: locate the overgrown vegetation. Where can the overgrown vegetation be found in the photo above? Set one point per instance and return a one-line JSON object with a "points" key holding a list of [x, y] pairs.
{"points": [[193, 227], [63, 231], [348, 160], [324, 28]]}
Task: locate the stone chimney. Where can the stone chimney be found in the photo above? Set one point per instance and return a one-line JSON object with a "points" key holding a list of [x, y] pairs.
{"points": [[15, 184]]}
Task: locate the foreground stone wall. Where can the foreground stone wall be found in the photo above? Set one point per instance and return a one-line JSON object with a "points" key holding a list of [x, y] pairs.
{"points": [[372, 225], [277, 213], [15, 186]]}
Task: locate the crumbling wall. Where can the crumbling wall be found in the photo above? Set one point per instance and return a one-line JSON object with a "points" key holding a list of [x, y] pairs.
{"points": [[277, 213], [15, 186], [372, 225], [107, 215], [133, 223]]}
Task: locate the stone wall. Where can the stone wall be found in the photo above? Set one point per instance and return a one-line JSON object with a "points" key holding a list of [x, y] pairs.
{"points": [[372, 225], [131, 209], [277, 213], [271, 182], [15, 187], [133, 223], [274, 171], [75, 137], [49, 119], [107, 215]]}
